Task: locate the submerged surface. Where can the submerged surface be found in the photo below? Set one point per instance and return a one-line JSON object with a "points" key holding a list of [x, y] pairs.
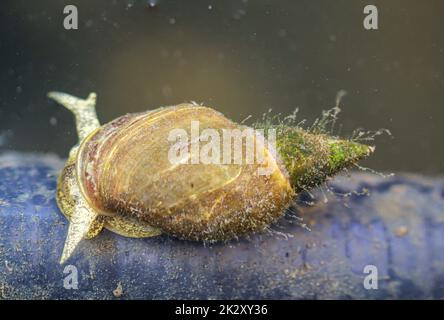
{"points": [[399, 228]]}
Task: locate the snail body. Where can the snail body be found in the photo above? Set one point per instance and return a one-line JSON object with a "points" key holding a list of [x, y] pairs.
{"points": [[120, 176]]}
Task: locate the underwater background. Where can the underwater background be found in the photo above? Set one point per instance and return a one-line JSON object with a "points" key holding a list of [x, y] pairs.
{"points": [[240, 57]]}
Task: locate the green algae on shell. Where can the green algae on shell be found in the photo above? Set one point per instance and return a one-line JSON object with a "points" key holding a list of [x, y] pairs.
{"points": [[118, 177]]}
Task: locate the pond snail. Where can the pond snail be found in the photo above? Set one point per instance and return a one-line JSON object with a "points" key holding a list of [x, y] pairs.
{"points": [[119, 176]]}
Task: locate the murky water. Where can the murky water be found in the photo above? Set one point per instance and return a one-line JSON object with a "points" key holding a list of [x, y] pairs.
{"points": [[240, 57]]}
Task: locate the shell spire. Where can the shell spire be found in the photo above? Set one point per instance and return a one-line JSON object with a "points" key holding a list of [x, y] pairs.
{"points": [[312, 157]]}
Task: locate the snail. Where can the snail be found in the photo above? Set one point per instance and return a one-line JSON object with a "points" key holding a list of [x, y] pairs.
{"points": [[119, 175]]}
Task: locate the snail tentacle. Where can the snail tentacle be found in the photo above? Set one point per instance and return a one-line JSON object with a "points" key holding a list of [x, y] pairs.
{"points": [[84, 221], [83, 110], [80, 223]]}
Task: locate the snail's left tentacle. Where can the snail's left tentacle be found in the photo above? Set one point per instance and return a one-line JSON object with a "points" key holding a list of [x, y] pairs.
{"points": [[79, 225], [84, 111], [84, 221]]}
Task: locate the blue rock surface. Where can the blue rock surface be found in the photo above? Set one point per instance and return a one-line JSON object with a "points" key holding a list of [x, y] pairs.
{"points": [[395, 224]]}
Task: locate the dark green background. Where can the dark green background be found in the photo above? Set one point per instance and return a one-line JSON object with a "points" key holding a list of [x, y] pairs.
{"points": [[241, 57]]}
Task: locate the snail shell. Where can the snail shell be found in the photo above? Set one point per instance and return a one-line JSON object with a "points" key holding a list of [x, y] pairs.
{"points": [[123, 168], [120, 176]]}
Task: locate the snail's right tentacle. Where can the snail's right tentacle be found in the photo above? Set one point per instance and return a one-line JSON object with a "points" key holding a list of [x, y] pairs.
{"points": [[84, 111]]}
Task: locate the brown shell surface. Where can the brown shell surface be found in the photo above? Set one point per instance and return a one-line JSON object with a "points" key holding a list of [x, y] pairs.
{"points": [[124, 168]]}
